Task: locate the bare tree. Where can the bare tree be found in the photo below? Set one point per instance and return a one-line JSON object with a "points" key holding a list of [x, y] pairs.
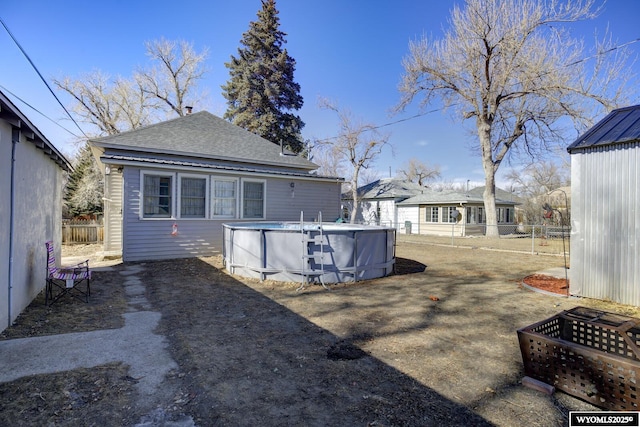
{"points": [[357, 146], [103, 103], [510, 67], [173, 81], [117, 105], [538, 178], [417, 171], [535, 182]]}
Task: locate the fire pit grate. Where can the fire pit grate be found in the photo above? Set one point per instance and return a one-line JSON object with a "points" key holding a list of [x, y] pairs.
{"points": [[590, 354]]}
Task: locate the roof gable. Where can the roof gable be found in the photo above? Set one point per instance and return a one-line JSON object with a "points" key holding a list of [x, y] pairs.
{"points": [[619, 126], [206, 136], [11, 113], [388, 188]]}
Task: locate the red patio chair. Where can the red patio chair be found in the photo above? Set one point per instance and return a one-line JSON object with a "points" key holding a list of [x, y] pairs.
{"points": [[67, 280]]}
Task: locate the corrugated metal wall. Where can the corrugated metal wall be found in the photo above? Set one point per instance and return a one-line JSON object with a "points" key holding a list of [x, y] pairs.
{"points": [[605, 218]]}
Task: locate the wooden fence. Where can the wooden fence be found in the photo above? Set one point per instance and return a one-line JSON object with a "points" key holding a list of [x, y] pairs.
{"points": [[82, 231]]}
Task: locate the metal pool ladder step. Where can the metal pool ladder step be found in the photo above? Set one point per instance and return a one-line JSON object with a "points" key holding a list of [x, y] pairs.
{"points": [[309, 242]]}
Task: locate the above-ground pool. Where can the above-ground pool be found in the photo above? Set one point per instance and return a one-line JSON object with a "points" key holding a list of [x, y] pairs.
{"points": [[315, 252]]}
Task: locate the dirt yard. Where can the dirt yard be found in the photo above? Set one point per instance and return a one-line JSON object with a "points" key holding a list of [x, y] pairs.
{"points": [[433, 345]]}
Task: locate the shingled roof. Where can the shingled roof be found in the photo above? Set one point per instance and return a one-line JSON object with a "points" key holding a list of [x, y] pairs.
{"points": [[619, 126], [206, 136]]}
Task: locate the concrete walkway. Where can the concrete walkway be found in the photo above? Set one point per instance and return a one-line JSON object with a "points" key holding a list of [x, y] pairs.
{"points": [[136, 345]]}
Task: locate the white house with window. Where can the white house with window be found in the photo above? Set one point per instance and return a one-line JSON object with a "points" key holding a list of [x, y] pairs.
{"points": [[463, 213], [170, 186]]}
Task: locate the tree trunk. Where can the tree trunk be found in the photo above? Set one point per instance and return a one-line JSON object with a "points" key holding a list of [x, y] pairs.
{"points": [[489, 195], [354, 195]]}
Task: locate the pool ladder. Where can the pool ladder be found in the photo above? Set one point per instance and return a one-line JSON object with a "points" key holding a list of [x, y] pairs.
{"points": [[309, 241]]}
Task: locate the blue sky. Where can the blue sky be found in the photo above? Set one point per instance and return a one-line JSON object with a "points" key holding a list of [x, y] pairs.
{"points": [[349, 51]]}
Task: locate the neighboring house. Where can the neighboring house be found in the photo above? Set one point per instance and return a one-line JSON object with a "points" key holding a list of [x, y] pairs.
{"points": [[377, 201], [413, 209], [434, 212], [170, 186], [32, 173], [605, 209]]}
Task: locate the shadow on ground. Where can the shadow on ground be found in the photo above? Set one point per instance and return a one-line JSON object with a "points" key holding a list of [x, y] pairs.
{"points": [[243, 359], [249, 360]]}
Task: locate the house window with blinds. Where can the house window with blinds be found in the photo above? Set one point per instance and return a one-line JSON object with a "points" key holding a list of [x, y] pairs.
{"points": [[225, 198], [253, 199], [157, 196], [193, 197]]}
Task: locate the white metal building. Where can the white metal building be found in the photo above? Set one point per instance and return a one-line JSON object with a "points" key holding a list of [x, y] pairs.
{"points": [[605, 209]]}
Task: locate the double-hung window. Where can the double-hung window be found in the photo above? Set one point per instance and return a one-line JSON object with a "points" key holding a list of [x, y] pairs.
{"points": [[193, 197], [225, 198], [157, 200], [253, 199], [447, 213], [471, 215], [432, 213]]}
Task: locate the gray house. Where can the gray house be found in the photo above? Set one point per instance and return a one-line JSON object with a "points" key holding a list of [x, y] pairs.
{"points": [[605, 209], [32, 174], [170, 186]]}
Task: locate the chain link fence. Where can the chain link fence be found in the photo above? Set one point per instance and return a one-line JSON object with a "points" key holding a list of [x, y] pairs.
{"points": [[533, 239]]}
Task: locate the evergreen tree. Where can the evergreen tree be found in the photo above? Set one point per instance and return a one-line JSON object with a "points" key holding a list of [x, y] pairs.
{"points": [[261, 93], [83, 192]]}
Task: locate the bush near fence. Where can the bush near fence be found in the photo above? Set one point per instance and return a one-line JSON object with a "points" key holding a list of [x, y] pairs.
{"points": [[82, 231]]}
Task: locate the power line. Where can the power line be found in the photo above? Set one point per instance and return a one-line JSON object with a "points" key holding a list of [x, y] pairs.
{"points": [[41, 77], [406, 119], [36, 110]]}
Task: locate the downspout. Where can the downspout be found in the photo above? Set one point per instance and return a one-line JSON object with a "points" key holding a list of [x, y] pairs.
{"points": [[15, 139]]}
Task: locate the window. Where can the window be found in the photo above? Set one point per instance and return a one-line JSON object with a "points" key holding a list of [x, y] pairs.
{"points": [[481, 218], [471, 215], [253, 199], [447, 214], [504, 215], [225, 199], [193, 197], [432, 214], [157, 196]]}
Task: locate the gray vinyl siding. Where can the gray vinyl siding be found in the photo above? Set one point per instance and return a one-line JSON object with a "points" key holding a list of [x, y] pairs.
{"points": [[285, 203], [605, 223], [37, 218], [148, 239]]}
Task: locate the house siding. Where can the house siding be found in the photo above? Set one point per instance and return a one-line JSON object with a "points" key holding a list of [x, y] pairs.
{"points": [[37, 218], [113, 211], [146, 239], [605, 227], [410, 214]]}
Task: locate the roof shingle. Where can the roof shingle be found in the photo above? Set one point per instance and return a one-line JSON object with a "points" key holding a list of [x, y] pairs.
{"points": [[206, 136]]}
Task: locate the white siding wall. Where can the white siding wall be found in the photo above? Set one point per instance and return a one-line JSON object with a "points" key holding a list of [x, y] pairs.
{"points": [[146, 239], [605, 223], [113, 211], [409, 213], [37, 218]]}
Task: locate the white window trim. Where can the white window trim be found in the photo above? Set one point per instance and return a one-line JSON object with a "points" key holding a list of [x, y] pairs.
{"points": [[172, 175], [264, 197], [215, 178], [429, 217], [179, 196]]}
